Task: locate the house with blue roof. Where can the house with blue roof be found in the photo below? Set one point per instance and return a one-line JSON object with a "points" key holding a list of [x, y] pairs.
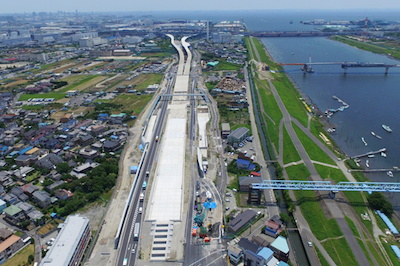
{"points": [[281, 248], [242, 164], [102, 116]]}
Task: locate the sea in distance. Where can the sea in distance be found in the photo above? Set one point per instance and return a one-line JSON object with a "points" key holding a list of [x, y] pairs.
{"points": [[372, 96]]}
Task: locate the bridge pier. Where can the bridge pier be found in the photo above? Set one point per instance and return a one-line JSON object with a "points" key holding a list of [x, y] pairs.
{"points": [[332, 194]]}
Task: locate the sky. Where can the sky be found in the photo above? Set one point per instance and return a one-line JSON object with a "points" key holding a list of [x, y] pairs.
{"points": [[22, 6]]}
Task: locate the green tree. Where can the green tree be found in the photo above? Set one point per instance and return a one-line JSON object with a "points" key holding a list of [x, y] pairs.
{"points": [[377, 201], [62, 168], [31, 258]]}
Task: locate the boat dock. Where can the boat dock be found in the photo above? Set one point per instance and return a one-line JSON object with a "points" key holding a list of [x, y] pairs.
{"points": [[368, 153], [374, 170], [331, 111]]}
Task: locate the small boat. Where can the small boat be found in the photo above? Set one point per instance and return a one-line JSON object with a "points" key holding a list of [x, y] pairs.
{"points": [[387, 128], [371, 156], [363, 140], [375, 135], [367, 163], [389, 173], [383, 154]]}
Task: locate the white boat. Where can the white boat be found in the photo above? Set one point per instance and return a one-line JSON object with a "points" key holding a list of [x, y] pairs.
{"points": [[371, 156], [389, 173], [373, 134], [363, 140], [383, 154], [387, 128], [367, 163]]}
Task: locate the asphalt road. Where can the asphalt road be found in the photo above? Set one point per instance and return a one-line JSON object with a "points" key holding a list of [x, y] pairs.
{"points": [[127, 243]]}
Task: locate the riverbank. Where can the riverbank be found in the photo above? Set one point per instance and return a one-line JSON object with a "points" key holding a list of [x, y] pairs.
{"points": [[293, 99], [391, 52]]}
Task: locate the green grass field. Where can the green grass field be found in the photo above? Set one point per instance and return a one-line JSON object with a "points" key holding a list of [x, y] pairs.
{"points": [[290, 153], [21, 258], [224, 65], [144, 80], [340, 252], [331, 173], [312, 149], [55, 95], [132, 103]]}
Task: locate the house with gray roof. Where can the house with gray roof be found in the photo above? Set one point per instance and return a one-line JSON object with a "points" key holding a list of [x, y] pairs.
{"points": [[245, 181], [241, 220], [42, 198]]}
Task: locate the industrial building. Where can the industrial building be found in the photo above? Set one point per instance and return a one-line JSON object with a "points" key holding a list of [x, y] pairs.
{"points": [[241, 220], [226, 130], [71, 242], [238, 135]]}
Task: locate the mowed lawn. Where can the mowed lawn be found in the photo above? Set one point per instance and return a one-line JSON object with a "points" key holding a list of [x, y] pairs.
{"points": [[21, 258], [55, 95]]}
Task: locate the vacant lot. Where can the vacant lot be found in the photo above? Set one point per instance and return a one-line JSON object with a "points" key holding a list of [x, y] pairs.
{"points": [[132, 103], [81, 82], [143, 81], [16, 83]]}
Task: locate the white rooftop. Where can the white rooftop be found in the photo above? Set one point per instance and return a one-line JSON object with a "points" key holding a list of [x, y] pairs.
{"points": [[66, 241]]}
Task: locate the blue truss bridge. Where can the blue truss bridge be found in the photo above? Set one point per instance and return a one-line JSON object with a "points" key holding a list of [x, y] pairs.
{"points": [[327, 186]]}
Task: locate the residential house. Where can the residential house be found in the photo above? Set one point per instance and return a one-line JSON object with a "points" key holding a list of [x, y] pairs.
{"points": [[5, 178], [35, 216], [85, 140], [280, 248], [65, 118], [14, 214], [98, 129], [252, 259], [4, 234], [25, 207], [55, 184], [23, 171], [88, 153], [29, 189], [111, 145], [243, 164], [10, 198], [226, 130], [63, 194], [246, 244], [273, 228], [260, 240], [10, 246], [42, 198], [245, 181], [50, 161], [24, 160], [3, 205], [235, 254]]}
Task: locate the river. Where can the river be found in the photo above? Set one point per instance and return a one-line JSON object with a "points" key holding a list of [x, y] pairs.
{"points": [[373, 97]]}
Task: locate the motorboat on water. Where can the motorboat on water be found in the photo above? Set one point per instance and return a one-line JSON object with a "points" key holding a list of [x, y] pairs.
{"points": [[383, 154], [363, 140], [387, 128], [389, 173], [375, 135], [367, 163]]}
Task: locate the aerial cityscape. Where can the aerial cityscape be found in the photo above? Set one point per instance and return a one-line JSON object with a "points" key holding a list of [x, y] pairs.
{"points": [[199, 137]]}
